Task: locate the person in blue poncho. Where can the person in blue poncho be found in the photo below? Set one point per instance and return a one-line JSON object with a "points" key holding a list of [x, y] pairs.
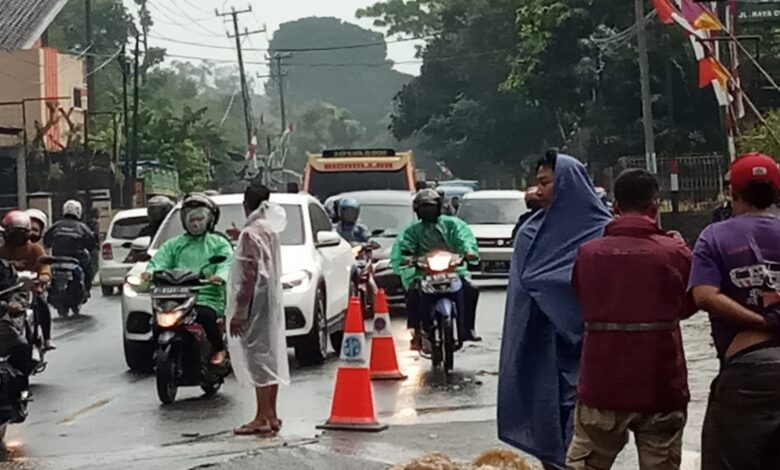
{"points": [[542, 338]]}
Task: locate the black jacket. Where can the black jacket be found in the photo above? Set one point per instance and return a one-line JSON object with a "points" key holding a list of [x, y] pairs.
{"points": [[70, 237]]}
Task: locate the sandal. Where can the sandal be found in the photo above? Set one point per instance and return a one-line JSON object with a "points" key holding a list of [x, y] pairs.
{"points": [[250, 430]]}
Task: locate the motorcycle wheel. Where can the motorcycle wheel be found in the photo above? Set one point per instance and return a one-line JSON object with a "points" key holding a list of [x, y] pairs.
{"points": [[437, 346], [63, 312], [166, 379], [448, 344], [210, 389]]}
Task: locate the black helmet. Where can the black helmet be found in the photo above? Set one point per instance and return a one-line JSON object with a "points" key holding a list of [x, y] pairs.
{"points": [[200, 200], [427, 196], [157, 208]]}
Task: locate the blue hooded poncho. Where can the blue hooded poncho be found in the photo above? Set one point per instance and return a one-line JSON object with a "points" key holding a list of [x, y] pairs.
{"points": [[542, 338]]}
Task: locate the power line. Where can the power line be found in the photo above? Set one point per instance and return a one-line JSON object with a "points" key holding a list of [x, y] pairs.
{"points": [[296, 50], [163, 10]]}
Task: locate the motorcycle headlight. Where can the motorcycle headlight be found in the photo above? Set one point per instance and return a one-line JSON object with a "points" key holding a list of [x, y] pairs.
{"points": [[439, 262], [295, 279], [169, 319]]}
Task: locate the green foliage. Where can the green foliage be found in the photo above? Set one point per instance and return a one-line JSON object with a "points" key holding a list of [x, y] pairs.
{"points": [[320, 126], [361, 79], [760, 139]]}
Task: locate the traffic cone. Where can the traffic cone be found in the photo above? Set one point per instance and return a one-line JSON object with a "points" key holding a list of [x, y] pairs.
{"points": [[353, 398], [384, 362]]}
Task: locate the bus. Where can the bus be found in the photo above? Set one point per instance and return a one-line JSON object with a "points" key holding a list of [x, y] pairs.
{"points": [[340, 171]]}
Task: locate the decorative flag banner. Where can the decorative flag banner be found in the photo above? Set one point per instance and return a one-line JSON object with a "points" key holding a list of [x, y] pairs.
{"points": [[700, 16], [665, 10]]}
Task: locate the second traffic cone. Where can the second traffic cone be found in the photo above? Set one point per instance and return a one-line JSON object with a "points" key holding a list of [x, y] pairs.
{"points": [[384, 362], [353, 398]]}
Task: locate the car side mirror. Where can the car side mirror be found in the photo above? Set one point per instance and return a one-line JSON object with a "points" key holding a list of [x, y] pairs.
{"points": [[141, 243], [326, 239]]}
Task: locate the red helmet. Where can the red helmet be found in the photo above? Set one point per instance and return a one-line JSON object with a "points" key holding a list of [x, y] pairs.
{"points": [[17, 220]]}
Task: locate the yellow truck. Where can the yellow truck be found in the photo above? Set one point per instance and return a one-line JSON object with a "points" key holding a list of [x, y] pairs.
{"points": [[338, 171]]}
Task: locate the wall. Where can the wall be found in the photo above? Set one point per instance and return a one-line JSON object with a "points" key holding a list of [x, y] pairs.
{"points": [[21, 76], [71, 74]]}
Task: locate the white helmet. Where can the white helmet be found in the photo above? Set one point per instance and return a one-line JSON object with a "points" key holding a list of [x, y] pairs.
{"points": [[40, 216], [72, 208]]}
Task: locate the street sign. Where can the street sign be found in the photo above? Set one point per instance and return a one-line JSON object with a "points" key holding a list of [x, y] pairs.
{"points": [[757, 11]]}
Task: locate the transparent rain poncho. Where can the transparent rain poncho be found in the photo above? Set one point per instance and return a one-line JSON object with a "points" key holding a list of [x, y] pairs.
{"points": [[259, 356]]}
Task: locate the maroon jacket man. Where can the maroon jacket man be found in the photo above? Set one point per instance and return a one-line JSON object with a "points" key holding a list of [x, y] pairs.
{"points": [[632, 288]]}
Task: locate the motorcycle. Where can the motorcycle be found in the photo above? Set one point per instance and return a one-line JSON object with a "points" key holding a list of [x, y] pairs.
{"points": [[14, 393], [67, 292], [362, 283], [440, 335], [183, 355]]}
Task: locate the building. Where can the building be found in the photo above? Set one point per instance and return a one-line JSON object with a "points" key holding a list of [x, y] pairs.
{"points": [[41, 89]]}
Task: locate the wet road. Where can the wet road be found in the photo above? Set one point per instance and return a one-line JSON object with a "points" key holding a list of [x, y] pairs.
{"points": [[89, 412]]}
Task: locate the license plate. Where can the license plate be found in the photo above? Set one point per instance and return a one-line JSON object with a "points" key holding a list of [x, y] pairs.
{"points": [[171, 290], [497, 266]]}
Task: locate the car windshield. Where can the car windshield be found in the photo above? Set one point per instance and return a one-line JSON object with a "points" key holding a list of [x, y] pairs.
{"points": [[128, 228], [491, 211], [386, 217], [233, 215], [322, 185]]}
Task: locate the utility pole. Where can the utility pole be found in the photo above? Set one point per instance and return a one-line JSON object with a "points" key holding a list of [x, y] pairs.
{"points": [[136, 99], [248, 121], [278, 58], [126, 189], [90, 76], [644, 76]]}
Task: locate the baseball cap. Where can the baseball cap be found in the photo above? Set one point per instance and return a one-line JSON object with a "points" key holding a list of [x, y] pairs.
{"points": [[754, 167]]}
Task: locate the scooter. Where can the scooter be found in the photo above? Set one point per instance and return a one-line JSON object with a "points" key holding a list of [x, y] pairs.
{"points": [[183, 355], [34, 334], [362, 283], [440, 335], [67, 292]]}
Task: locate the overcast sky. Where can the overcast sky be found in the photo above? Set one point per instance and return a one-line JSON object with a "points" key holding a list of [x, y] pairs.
{"points": [[194, 21]]}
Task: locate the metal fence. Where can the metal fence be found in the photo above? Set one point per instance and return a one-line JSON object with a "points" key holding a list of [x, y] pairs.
{"points": [[700, 176]]}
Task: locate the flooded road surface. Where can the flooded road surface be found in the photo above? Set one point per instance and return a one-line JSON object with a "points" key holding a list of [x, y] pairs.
{"points": [[91, 413]]}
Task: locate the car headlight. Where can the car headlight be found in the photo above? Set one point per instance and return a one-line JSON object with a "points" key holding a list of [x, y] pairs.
{"points": [[169, 319], [295, 279]]}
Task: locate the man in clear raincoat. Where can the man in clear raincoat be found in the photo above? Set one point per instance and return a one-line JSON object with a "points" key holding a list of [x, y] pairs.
{"points": [[543, 326], [258, 344]]}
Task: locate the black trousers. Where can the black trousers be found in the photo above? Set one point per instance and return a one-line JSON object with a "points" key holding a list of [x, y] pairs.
{"points": [[207, 318], [418, 304], [42, 316], [742, 425]]}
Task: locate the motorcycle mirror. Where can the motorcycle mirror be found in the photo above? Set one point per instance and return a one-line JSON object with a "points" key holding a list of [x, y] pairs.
{"points": [[219, 259], [377, 232]]}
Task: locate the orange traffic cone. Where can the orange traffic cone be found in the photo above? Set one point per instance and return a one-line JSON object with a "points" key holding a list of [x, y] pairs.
{"points": [[384, 363], [353, 398]]}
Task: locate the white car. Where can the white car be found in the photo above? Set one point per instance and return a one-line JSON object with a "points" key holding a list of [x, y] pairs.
{"points": [[316, 264], [492, 216], [124, 228]]}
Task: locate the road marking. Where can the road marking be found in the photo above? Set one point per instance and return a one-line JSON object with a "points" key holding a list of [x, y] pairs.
{"points": [[84, 411]]}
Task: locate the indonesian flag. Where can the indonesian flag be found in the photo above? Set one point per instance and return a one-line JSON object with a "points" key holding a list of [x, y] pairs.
{"points": [[699, 16], [710, 69], [665, 10]]}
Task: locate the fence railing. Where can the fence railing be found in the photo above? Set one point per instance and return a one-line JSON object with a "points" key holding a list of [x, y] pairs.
{"points": [[700, 176]]}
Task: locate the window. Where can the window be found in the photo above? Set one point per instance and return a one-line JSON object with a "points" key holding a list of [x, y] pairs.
{"points": [[128, 228], [320, 222], [491, 211], [233, 214], [322, 185]]}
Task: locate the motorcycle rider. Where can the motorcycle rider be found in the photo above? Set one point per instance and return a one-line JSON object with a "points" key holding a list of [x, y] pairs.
{"points": [[192, 251], [70, 237], [348, 226], [40, 223], [25, 255], [13, 340], [435, 231], [157, 209]]}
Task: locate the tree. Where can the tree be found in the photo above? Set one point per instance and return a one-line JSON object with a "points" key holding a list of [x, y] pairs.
{"points": [[360, 79], [320, 126], [759, 139]]}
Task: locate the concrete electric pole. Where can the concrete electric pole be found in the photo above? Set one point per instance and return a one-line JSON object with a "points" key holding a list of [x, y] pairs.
{"points": [[644, 76]]}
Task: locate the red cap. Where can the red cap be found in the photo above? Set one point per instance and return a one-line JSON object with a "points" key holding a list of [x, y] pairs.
{"points": [[754, 167]]}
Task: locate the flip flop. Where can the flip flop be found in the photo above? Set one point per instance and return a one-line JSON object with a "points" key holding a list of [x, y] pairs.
{"points": [[249, 430]]}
